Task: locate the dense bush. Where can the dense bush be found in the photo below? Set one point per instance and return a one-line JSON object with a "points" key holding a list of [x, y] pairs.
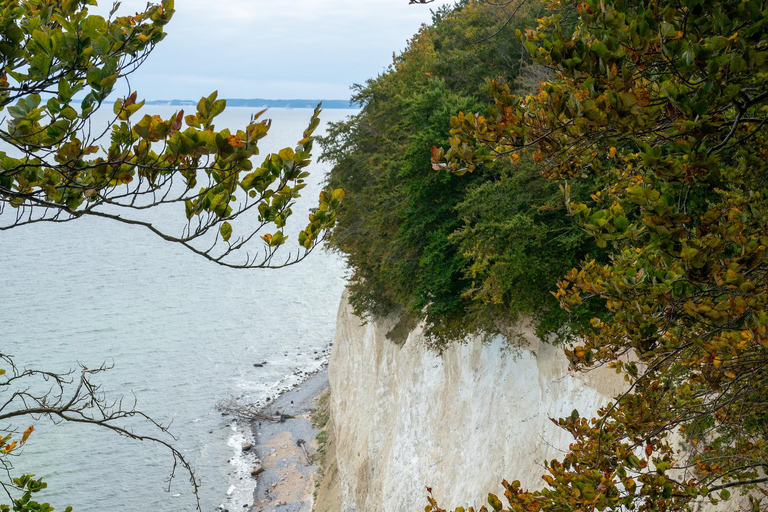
{"points": [[468, 253]]}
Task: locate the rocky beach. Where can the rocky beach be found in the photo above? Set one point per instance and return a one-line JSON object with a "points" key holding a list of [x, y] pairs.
{"points": [[284, 451]]}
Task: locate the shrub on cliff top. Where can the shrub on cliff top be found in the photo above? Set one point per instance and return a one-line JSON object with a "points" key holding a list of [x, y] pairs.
{"points": [[463, 254]]}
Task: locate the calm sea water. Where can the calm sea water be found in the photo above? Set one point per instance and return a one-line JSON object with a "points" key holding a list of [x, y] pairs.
{"points": [[182, 333]]}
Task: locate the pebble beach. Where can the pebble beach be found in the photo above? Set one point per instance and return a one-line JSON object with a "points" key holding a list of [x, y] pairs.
{"points": [[282, 455]]}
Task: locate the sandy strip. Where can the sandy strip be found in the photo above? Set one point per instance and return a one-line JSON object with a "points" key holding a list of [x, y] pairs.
{"points": [[287, 482]]}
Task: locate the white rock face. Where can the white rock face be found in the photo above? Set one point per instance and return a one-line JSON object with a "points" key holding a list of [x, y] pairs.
{"points": [[406, 418]]}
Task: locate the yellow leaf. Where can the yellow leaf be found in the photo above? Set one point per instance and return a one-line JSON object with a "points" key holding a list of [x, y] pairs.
{"points": [[27, 434], [235, 141]]}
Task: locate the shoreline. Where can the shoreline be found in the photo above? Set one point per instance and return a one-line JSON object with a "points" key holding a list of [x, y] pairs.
{"points": [[283, 451], [242, 495]]}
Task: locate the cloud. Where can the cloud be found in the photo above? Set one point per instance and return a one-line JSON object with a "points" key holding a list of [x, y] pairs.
{"points": [[246, 45]]}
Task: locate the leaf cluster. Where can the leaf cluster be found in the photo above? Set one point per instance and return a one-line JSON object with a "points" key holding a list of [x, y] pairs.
{"points": [[24, 503], [59, 167], [56, 165]]}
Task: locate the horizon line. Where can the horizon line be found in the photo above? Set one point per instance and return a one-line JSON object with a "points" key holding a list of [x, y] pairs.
{"points": [[257, 102]]}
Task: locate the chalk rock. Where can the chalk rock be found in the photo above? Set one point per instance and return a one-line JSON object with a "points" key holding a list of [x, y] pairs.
{"points": [[390, 401]]}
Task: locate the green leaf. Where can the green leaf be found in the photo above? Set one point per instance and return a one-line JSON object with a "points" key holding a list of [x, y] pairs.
{"points": [[494, 502], [226, 231], [202, 107], [621, 223], [94, 76], [286, 154], [69, 113], [217, 108], [601, 50], [700, 107], [42, 39], [53, 106], [33, 101], [58, 129], [65, 91], [101, 45], [17, 112], [192, 120], [738, 64]]}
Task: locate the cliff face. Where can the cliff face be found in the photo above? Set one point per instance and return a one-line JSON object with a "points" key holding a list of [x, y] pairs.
{"points": [[406, 418]]}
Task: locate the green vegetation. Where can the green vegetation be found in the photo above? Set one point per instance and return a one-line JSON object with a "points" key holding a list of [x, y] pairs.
{"points": [[327, 481], [320, 416], [59, 166], [663, 106], [464, 254], [633, 181]]}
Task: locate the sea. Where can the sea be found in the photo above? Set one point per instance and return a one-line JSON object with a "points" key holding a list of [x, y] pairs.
{"points": [[181, 336]]}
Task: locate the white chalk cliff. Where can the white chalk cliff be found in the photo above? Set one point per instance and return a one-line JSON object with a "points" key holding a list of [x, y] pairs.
{"points": [[406, 418]]}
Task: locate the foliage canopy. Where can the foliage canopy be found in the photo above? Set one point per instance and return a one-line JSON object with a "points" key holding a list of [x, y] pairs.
{"points": [[663, 105], [57, 167]]}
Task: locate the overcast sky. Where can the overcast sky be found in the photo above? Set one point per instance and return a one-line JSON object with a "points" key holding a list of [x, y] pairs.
{"points": [[276, 49]]}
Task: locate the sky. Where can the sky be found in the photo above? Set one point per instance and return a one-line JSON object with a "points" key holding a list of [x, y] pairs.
{"points": [[275, 49]]}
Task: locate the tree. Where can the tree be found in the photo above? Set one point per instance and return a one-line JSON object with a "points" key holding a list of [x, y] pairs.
{"points": [[56, 166], [664, 104], [428, 245], [72, 397]]}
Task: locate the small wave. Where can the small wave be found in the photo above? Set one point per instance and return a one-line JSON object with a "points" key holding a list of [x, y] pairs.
{"points": [[243, 485]]}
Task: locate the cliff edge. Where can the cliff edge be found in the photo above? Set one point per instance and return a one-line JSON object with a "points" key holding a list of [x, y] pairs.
{"points": [[405, 418]]}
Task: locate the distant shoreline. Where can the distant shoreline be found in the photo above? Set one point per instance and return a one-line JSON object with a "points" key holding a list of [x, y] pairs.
{"points": [[259, 103]]}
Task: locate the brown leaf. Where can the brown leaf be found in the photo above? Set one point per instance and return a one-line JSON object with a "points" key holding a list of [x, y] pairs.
{"points": [[177, 123], [130, 100]]}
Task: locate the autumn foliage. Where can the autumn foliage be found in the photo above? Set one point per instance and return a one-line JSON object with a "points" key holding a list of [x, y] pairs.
{"points": [[664, 105], [57, 166]]}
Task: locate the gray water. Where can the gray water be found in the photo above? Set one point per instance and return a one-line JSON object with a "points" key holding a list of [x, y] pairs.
{"points": [[182, 333]]}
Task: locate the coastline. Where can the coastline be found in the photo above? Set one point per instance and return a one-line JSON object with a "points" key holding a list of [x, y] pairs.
{"points": [[283, 452]]}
